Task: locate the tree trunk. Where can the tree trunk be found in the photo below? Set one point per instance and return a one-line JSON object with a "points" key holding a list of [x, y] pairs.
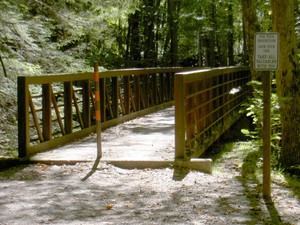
{"points": [[133, 52], [149, 40], [212, 57], [230, 35], [288, 81], [251, 26], [173, 6]]}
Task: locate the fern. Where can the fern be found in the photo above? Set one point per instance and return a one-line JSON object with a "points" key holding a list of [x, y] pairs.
{"points": [[254, 109]]}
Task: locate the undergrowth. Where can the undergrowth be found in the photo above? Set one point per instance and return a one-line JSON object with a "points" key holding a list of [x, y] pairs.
{"points": [[245, 158], [254, 110]]}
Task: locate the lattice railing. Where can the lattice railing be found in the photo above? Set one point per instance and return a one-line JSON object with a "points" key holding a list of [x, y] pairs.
{"points": [[207, 103]]}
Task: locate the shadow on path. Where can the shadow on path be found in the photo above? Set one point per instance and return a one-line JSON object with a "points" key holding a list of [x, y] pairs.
{"points": [[253, 191], [180, 173], [93, 170]]}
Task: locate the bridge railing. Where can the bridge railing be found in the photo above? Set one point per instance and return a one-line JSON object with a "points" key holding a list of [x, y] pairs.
{"points": [[58, 108], [206, 104]]}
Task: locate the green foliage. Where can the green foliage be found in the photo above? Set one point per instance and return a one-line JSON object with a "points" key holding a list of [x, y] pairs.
{"points": [[60, 36], [264, 15], [254, 109], [205, 29], [69, 35]]}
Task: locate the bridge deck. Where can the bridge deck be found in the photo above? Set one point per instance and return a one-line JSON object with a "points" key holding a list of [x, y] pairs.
{"points": [[146, 138]]}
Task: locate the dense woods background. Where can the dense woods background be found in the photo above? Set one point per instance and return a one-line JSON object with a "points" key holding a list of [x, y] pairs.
{"points": [[42, 36], [39, 36], [46, 36]]}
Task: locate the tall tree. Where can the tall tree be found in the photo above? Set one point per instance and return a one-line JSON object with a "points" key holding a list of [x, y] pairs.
{"points": [[211, 39], [150, 20], [251, 26], [133, 51], [230, 34], [173, 9], [288, 81]]}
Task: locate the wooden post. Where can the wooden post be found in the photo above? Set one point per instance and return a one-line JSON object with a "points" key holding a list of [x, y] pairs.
{"points": [[154, 89], [266, 78], [126, 81], [23, 116], [145, 90], [68, 105], [179, 97], [137, 92], [162, 85], [266, 47], [86, 106], [97, 110], [47, 112], [114, 97]]}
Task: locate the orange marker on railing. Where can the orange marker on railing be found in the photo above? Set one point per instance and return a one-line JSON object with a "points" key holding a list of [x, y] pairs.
{"points": [[97, 110]]}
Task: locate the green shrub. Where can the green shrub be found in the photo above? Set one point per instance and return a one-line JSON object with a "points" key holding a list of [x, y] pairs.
{"points": [[254, 109]]}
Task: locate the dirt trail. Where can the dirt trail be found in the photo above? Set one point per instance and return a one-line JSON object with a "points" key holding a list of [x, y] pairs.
{"points": [[77, 194]]}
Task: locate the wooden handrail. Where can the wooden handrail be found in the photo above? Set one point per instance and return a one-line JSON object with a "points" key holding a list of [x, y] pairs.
{"points": [[205, 107], [46, 122]]}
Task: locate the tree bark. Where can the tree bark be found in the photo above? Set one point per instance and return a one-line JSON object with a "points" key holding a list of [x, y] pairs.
{"points": [[230, 35], [149, 34], [3, 66], [133, 52], [251, 27], [173, 6], [212, 57], [288, 81]]}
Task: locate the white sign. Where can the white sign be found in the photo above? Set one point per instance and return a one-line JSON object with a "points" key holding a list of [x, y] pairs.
{"points": [[266, 51]]}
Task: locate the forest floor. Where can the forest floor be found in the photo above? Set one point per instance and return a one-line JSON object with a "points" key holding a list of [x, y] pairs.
{"points": [[79, 194], [8, 119]]}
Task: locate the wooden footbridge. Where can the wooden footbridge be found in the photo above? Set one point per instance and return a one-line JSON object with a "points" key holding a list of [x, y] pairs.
{"points": [[57, 109]]}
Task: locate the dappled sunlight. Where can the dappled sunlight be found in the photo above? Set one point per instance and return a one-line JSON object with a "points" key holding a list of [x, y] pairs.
{"points": [[112, 195], [242, 162], [99, 193], [273, 211], [294, 184]]}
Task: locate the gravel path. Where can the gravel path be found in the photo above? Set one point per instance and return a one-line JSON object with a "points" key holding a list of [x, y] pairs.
{"points": [[151, 137], [77, 194]]}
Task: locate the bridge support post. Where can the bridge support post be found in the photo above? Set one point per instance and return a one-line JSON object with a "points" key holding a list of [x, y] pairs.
{"points": [[23, 117], [179, 97]]}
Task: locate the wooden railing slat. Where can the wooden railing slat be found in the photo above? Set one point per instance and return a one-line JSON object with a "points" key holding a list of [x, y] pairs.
{"points": [[127, 90], [86, 103], [78, 113], [35, 119], [58, 116], [68, 112]]}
